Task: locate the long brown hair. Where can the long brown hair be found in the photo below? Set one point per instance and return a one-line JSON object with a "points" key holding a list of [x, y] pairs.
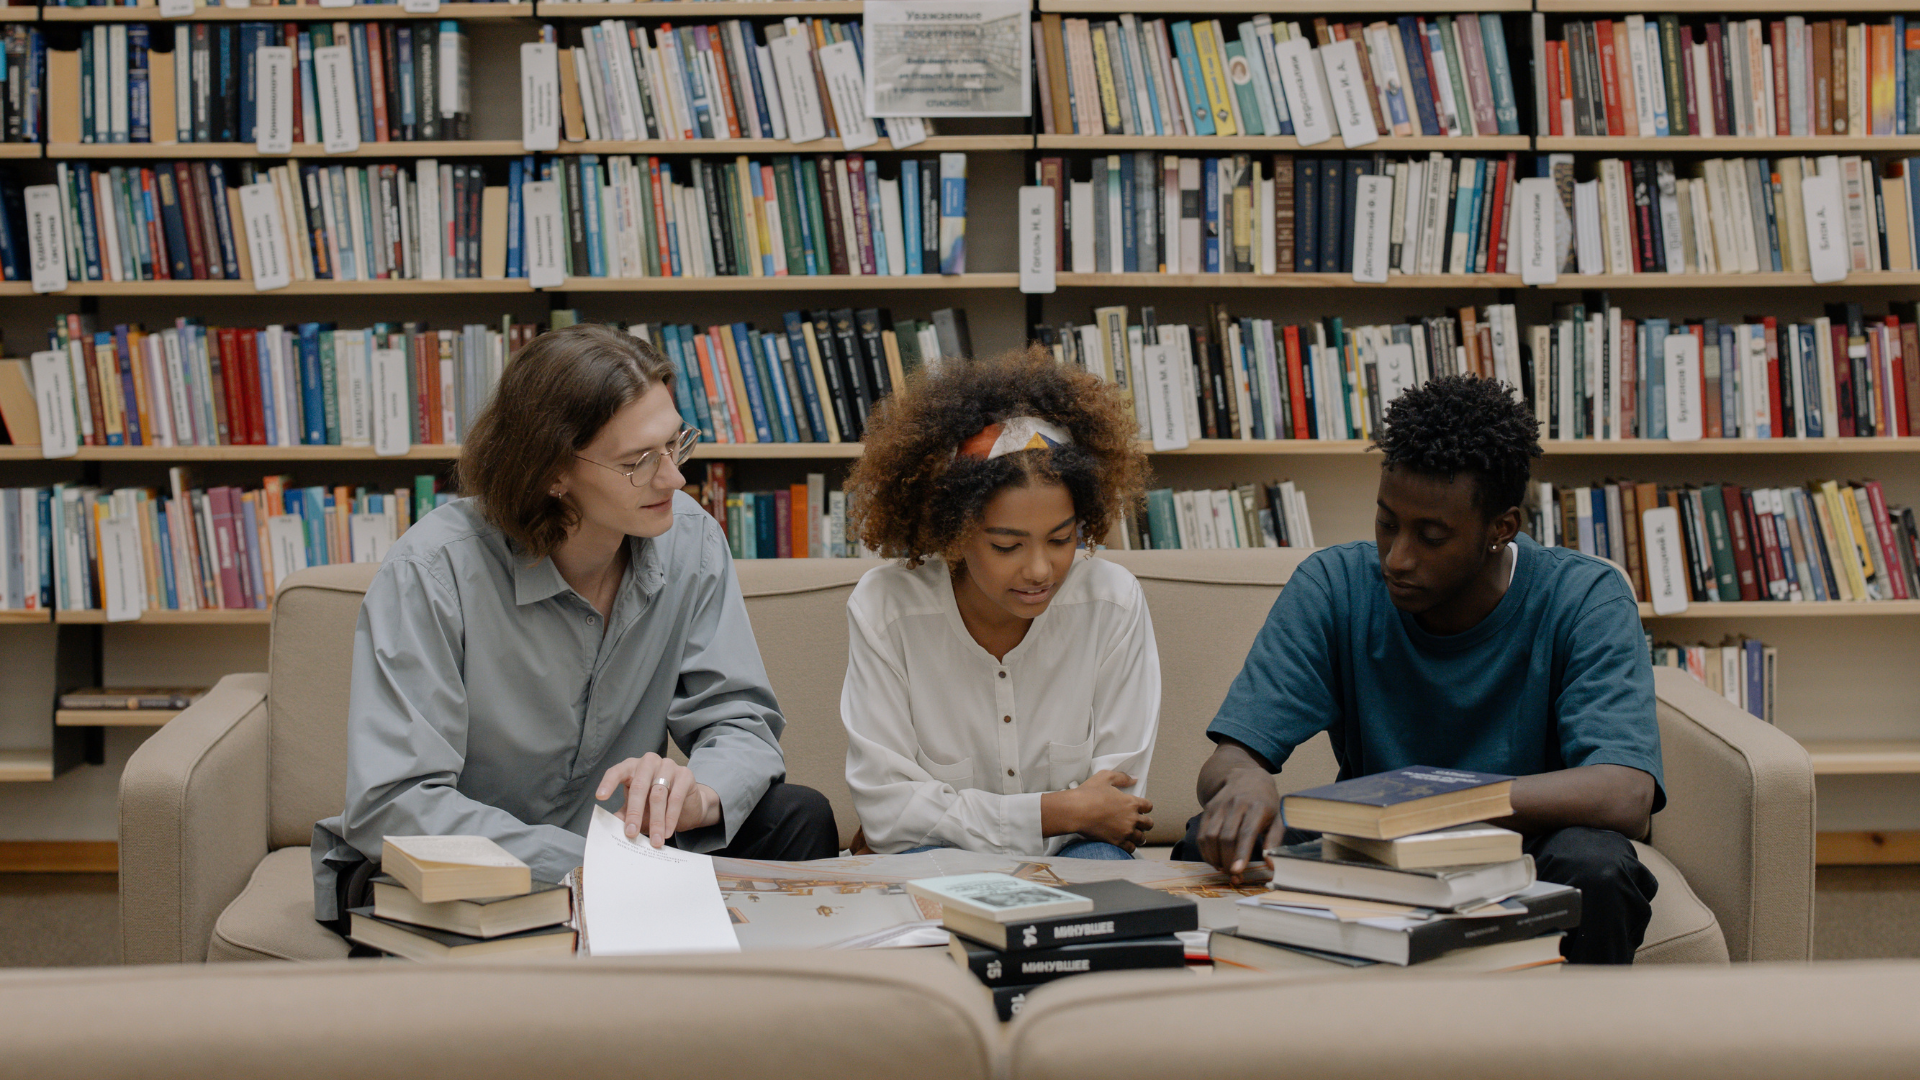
{"points": [[552, 400]]}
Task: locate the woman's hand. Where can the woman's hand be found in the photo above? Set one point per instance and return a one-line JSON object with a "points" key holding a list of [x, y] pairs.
{"points": [[668, 799], [1099, 810]]}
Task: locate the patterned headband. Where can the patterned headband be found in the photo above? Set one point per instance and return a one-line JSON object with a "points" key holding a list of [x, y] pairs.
{"points": [[1012, 436]]}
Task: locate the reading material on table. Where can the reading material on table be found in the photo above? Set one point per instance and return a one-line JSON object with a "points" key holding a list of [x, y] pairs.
{"points": [[438, 868], [644, 899], [999, 897]]}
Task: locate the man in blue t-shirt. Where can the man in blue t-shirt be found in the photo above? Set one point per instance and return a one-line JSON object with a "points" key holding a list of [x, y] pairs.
{"points": [[1456, 641]]}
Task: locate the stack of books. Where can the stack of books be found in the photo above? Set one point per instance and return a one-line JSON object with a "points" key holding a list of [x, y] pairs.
{"points": [[461, 898], [1014, 934], [1406, 872]]}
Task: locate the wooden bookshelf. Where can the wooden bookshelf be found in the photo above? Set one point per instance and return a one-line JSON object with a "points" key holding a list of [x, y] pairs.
{"points": [[442, 148], [932, 144], [1386, 144], [1728, 144], [233, 453], [1744, 609], [1867, 279], [214, 617], [284, 13], [26, 766], [148, 718], [15, 151], [23, 618], [1709, 7], [390, 287], [1835, 757], [793, 283], [700, 9], [1655, 447], [1876, 848], [1293, 9], [1284, 281]]}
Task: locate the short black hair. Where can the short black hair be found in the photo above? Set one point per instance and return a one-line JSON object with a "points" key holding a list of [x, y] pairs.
{"points": [[1465, 424]]}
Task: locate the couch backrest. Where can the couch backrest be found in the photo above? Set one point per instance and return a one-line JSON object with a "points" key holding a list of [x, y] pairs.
{"points": [[1206, 607]]}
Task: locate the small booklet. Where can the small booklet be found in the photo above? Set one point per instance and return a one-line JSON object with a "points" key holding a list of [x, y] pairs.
{"points": [[437, 868], [1001, 898]]}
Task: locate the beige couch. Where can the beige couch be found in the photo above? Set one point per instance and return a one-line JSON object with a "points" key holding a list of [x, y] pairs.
{"points": [[217, 807], [879, 1015]]}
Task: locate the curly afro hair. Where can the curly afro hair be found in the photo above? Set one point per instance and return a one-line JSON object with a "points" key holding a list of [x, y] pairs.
{"points": [[909, 498], [1465, 424]]}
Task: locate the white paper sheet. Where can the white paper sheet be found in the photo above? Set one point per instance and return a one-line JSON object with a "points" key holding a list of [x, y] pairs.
{"points": [[643, 899]]}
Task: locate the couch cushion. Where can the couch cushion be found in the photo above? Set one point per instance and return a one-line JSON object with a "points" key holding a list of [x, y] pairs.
{"points": [[1837, 1021], [1683, 930], [311, 663], [797, 1016], [272, 918]]}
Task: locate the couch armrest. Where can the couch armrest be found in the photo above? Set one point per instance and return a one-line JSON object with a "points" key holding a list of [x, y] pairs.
{"points": [[193, 822], [1739, 818]]}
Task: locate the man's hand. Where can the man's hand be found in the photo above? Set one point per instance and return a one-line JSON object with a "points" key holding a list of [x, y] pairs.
{"points": [[667, 800], [1098, 810], [1245, 812]]}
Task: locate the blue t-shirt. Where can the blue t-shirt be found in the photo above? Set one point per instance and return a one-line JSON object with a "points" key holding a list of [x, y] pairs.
{"points": [[1555, 677]]}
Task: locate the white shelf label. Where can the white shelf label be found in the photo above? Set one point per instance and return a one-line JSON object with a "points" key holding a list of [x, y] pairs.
{"points": [[46, 238], [1683, 387], [539, 96], [287, 539], [545, 238], [121, 566], [1660, 531], [1534, 222], [53, 393], [1036, 239], [273, 92], [1349, 89], [1373, 202], [266, 235], [392, 436], [339, 107], [1311, 122]]}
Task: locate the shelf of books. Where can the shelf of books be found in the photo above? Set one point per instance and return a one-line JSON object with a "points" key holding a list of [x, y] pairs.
{"points": [[112, 717], [929, 145], [22, 618], [1729, 609], [698, 9], [1730, 144], [1836, 757], [1711, 7], [278, 13], [219, 617], [1383, 145], [1255, 7], [173, 151], [19, 150], [18, 766]]}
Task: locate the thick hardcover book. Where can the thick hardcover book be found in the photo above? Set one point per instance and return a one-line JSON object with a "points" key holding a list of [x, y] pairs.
{"points": [[1239, 950], [1121, 909], [996, 968], [1725, 574], [1399, 803], [1418, 936], [427, 943], [1323, 866]]}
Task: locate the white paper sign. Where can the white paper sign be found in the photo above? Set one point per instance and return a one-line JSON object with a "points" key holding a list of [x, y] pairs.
{"points": [[905, 131], [336, 3], [1311, 122], [339, 108], [266, 235], [46, 238], [1535, 224], [799, 93], [841, 65], [273, 93], [121, 568], [391, 433], [420, 7], [287, 541], [539, 96], [1684, 420], [1349, 89], [1826, 225], [948, 58], [1373, 202], [176, 9], [1036, 240], [545, 239], [1166, 411], [650, 900], [1395, 366], [367, 534], [53, 393], [1660, 536]]}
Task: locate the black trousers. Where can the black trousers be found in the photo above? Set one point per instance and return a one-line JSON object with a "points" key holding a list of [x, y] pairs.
{"points": [[790, 823], [1616, 891]]}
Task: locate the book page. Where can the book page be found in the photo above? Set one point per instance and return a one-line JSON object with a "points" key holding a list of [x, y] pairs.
{"points": [[461, 850], [650, 900]]}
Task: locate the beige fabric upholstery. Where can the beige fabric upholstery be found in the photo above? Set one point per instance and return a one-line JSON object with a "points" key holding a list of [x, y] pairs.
{"points": [[806, 1016], [272, 918], [244, 772], [1851, 1021]]}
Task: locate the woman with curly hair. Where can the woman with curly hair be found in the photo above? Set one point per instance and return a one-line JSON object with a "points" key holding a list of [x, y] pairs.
{"points": [[1001, 695]]}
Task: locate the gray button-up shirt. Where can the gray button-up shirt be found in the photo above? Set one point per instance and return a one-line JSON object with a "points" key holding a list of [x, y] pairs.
{"points": [[487, 699]]}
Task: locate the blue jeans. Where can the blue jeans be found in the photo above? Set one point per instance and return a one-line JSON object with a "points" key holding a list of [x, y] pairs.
{"points": [[1078, 849]]}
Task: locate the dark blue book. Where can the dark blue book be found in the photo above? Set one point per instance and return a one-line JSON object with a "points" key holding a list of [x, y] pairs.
{"points": [[362, 78], [1129, 253], [1400, 802], [139, 99], [123, 355], [225, 88], [250, 37], [312, 407], [1333, 190], [766, 526], [1602, 534], [668, 343], [217, 188], [1356, 168], [1306, 216], [81, 180], [749, 373], [773, 385], [515, 173], [1210, 213], [1422, 89], [803, 370]]}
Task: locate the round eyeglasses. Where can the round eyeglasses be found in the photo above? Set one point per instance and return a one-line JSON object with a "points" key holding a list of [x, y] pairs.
{"points": [[642, 472]]}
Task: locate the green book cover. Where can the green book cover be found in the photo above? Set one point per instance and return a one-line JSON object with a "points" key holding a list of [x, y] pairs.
{"points": [[649, 228], [1241, 79], [1670, 61], [1726, 578], [906, 334], [783, 179], [1462, 104], [816, 218], [329, 388], [740, 217], [734, 516], [422, 495], [1162, 522]]}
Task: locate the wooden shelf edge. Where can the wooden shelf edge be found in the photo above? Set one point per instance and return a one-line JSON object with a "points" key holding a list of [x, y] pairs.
{"points": [[59, 857], [1863, 757], [1727, 143], [214, 617], [1696, 7], [1725, 609], [24, 767], [188, 151], [673, 9], [1285, 281], [931, 144], [1870, 279], [790, 283], [113, 717], [1876, 848], [388, 287], [284, 13], [23, 618], [1276, 7], [1386, 144], [15, 151]]}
